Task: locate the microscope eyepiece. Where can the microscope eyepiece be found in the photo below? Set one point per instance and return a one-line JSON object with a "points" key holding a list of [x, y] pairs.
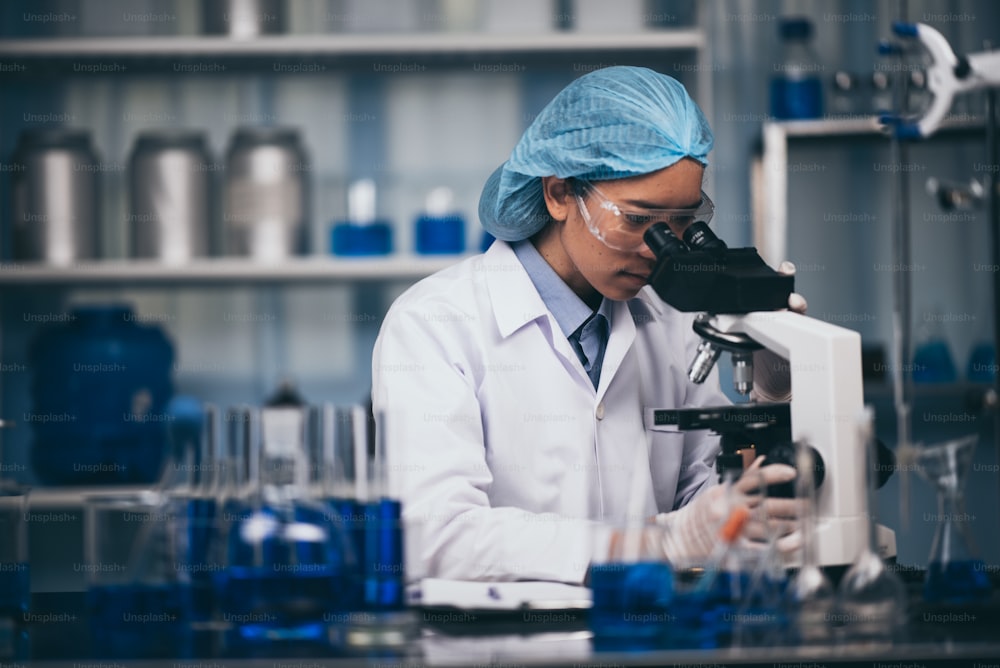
{"points": [[699, 236], [662, 241]]}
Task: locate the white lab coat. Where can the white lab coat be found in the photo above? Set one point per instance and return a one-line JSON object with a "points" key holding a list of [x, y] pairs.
{"points": [[500, 448]]}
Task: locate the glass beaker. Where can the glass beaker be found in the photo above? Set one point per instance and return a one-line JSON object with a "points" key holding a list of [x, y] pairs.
{"points": [[15, 572], [754, 614], [190, 483], [809, 596], [871, 599], [138, 600], [955, 573], [386, 624]]}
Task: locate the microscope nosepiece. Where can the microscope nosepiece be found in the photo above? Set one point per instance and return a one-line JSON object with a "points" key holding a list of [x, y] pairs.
{"points": [[703, 362]]}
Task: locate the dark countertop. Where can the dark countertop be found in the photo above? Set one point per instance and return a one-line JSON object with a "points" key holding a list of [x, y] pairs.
{"points": [[57, 633]]}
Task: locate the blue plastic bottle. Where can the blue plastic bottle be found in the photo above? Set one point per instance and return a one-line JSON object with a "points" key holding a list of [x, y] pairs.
{"points": [[440, 230], [362, 234], [796, 84], [100, 387]]}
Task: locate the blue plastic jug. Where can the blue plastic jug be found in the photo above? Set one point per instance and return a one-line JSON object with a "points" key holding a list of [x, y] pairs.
{"points": [[99, 392]]}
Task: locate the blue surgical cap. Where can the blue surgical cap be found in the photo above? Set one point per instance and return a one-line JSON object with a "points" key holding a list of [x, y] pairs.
{"points": [[609, 124]]}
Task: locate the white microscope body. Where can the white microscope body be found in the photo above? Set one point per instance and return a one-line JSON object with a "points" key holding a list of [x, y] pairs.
{"points": [[827, 403]]}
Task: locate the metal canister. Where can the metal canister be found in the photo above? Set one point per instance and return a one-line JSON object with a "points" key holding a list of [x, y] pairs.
{"points": [[265, 194], [243, 18], [170, 195], [55, 194]]}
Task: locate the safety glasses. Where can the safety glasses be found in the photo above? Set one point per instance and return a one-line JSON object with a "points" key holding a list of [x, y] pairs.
{"points": [[622, 227]]}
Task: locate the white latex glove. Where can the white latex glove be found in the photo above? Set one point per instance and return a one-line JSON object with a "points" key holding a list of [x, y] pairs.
{"points": [[693, 530], [772, 382], [779, 516]]}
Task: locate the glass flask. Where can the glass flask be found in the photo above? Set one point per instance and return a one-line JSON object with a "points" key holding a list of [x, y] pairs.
{"points": [[342, 460], [707, 591], [809, 596], [955, 573], [796, 88], [15, 569], [932, 359], [759, 618], [138, 600], [871, 599], [386, 622], [630, 579], [285, 570], [189, 480]]}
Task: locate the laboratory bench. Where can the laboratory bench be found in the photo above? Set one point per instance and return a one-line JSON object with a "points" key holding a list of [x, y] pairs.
{"points": [[57, 634]]}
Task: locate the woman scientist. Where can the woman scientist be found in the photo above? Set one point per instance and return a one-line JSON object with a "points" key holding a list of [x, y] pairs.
{"points": [[515, 385]]}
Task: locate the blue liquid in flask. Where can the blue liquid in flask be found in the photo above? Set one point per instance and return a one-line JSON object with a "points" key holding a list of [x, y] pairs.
{"points": [[140, 621], [957, 582], [15, 589]]}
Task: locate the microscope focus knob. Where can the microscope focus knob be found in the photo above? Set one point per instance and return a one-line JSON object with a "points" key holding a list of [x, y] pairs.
{"points": [[784, 453]]}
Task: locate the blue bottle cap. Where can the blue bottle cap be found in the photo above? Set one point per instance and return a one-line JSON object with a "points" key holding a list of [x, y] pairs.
{"points": [[439, 235], [350, 239]]}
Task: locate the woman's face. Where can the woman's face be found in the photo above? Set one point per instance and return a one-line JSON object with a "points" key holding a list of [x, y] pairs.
{"points": [[587, 264]]}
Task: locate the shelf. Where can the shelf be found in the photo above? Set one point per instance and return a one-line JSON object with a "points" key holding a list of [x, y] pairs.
{"points": [[139, 273], [859, 126], [140, 51], [771, 170], [72, 497]]}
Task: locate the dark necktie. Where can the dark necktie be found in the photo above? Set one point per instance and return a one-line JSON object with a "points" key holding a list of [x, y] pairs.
{"points": [[589, 341]]}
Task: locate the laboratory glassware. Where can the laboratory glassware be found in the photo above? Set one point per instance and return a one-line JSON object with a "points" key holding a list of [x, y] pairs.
{"points": [[15, 570], [138, 600], [386, 621], [955, 572], [284, 569], [341, 440], [871, 599], [759, 618], [629, 576], [707, 591], [932, 358], [809, 596], [190, 481], [796, 88]]}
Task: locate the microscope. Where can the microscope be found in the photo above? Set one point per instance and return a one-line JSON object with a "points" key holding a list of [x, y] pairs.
{"points": [[743, 307]]}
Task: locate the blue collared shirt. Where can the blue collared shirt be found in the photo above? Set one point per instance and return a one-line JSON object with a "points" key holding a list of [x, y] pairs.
{"points": [[586, 330]]}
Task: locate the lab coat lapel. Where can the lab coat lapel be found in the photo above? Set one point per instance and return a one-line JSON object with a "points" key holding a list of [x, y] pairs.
{"points": [[516, 302], [619, 343]]}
